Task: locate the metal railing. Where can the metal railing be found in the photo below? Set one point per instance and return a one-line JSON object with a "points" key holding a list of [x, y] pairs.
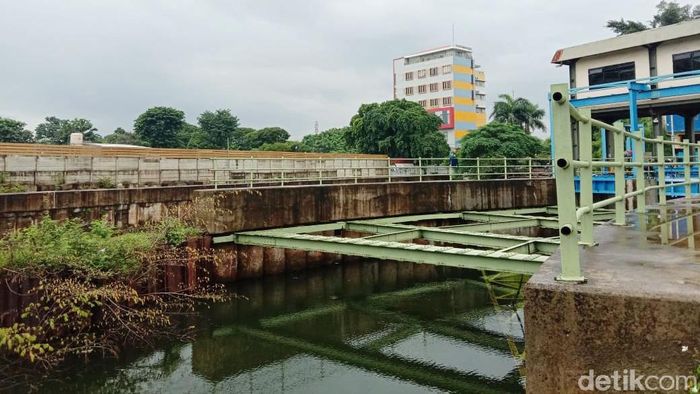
{"points": [[286, 171], [574, 220]]}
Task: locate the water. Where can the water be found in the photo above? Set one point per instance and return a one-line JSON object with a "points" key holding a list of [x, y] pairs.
{"points": [[363, 327]]}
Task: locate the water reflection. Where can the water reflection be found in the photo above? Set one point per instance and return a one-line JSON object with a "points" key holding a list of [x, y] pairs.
{"points": [[357, 327]]}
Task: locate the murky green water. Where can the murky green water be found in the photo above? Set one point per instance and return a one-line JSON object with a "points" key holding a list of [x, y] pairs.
{"points": [[368, 327]]}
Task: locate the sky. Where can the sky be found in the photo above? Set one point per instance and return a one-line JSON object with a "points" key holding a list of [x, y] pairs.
{"points": [[273, 63]]}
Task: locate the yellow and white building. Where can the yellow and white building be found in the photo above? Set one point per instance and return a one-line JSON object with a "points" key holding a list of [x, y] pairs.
{"points": [[444, 81]]}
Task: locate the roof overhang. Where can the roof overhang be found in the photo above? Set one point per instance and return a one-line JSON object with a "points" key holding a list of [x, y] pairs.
{"points": [[627, 41]]}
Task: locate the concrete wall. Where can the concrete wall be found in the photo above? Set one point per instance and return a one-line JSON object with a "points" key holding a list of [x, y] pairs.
{"points": [[638, 311], [48, 172], [275, 207], [265, 207]]}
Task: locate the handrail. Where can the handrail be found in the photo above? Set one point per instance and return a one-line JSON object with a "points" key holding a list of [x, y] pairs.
{"points": [[645, 80], [576, 223]]}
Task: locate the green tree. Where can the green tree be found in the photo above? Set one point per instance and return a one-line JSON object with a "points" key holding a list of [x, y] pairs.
{"points": [[57, 131], [397, 128], [219, 128], [500, 140], [193, 137], [13, 131], [623, 26], [121, 136], [286, 146], [270, 135], [245, 138], [518, 111], [159, 126], [329, 141], [667, 13]]}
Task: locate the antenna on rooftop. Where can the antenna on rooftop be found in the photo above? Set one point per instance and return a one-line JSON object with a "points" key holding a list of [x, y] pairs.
{"points": [[453, 34]]}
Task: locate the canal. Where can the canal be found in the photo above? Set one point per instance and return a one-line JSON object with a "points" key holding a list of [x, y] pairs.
{"points": [[356, 327]]}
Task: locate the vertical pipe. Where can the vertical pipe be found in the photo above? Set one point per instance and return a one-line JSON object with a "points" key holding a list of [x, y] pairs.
{"points": [[604, 147], [639, 157], [505, 168], [388, 168], [420, 169], [478, 169], [529, 168], [661, 160], [586, 177], [686, 168], [619, 157], [564, 174]]}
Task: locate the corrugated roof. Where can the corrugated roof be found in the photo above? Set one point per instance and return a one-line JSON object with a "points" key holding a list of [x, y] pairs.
{"points": [[646, 37]]}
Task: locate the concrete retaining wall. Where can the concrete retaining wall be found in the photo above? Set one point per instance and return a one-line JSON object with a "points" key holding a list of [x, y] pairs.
{"points": [[50, 172]]}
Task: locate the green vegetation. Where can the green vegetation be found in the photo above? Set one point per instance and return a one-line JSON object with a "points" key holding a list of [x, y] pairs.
{"points": [[519, 112], [667, 13], [397, 128], [219, 128], [159, 126], [98, 291], [121, 136], [95, 249], [57, 131], [13, 131], [501, 140], [329, 141]]}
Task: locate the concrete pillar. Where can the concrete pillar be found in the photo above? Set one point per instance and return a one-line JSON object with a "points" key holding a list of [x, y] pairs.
{"points": [[688, 126]]}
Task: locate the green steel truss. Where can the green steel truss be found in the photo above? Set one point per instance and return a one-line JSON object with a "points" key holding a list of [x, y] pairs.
{"points": [[471, 245]]}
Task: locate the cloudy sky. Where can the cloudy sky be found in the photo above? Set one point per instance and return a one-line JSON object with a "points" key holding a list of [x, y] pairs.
{"points": [[273, 63]]}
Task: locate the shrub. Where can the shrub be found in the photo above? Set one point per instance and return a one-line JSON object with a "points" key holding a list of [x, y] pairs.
{"points": [[106, 183]]}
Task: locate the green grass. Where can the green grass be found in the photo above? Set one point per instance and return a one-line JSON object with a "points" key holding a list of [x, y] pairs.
{"points": [[94, 247]]}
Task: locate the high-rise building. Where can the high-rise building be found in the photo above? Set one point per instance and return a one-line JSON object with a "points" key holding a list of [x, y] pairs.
{"points": [[444, 81]]}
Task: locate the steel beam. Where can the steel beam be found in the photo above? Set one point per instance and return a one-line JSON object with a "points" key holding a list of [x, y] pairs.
{"points": [[459, 236], [424, 254]]}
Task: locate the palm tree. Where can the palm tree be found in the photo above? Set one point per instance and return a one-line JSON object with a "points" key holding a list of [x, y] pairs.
{"points": [[518, 111]]}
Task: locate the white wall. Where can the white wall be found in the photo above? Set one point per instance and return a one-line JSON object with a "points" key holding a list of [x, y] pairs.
{"points": [[664, 59], [640, 56]]}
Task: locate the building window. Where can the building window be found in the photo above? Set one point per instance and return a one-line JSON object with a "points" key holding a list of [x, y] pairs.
{"points": [[422, 89], [422, 103], [409, 76], [447, 101], [446, 69], [433, 71], [434, 87], [421, 73], [446, 85], [409, 91], [434, 102], [480, 110], [684, 62], [608, 74]]}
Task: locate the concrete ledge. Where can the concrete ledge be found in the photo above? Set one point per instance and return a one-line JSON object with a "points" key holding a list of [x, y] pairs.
{"points": [[639, 310]]}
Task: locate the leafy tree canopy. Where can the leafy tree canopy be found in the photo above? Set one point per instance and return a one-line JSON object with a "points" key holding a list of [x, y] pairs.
{"points": [[13, 131], [121, 136], [159, 126], [193, 137], [397, 128], [219, 128], [286, 146], [329, 141], [500, 140], [57, 131], [519, 112], [250, 139], [667, 13]]}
